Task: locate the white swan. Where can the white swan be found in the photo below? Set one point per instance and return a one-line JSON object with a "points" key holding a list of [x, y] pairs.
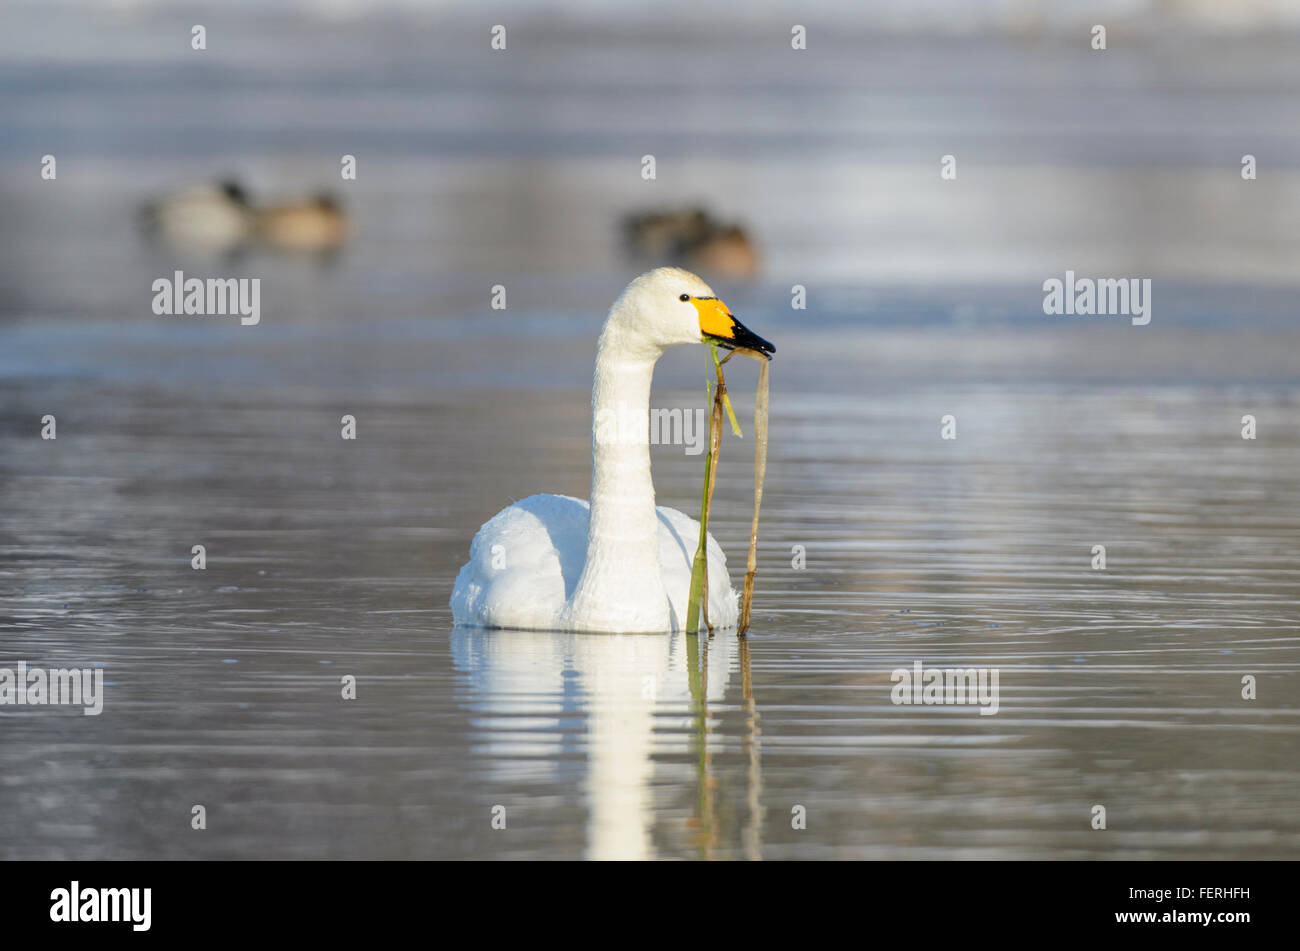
{"points": [[618, 565]]}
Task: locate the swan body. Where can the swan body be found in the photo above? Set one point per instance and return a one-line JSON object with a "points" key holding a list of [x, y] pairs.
{"points": [[544, 541], [618, 564]]}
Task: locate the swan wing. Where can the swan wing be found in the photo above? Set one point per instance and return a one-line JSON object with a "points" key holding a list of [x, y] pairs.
{"points": [[523, 564]]}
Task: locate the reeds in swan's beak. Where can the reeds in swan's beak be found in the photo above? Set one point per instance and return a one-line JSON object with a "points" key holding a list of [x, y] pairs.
{"points": [[698, 598]]}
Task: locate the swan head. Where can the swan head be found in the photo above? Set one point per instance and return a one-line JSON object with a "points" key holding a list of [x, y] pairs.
{"points": [[669, 306]]}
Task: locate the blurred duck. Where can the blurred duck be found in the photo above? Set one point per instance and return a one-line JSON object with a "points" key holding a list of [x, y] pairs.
{"points": [[220, 219], [691, 237], [316, 224], [211, 218]]}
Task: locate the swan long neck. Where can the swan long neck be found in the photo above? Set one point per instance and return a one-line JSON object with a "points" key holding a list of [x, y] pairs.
{"points": [[621, 574], [622, 491]]}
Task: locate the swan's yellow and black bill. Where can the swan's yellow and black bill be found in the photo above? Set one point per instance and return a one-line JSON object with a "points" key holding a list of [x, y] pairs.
{"points": [[718, 326]]}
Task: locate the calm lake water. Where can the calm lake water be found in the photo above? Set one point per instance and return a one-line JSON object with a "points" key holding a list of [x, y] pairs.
{"points": [[1119, 687], [881, 543]]}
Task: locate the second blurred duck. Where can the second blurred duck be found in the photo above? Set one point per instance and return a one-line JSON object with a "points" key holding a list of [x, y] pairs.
{"points": [[315, 224], [692, 238]]}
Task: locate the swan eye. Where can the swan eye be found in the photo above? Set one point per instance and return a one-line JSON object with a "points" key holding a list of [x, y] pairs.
{"points": [[684, 298]]}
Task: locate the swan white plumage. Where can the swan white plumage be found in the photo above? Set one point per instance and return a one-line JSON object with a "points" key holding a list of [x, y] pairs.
{"points": [[619, 564]]}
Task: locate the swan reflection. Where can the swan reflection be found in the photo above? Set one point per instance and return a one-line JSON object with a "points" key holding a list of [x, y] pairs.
{"points": [[617, 701]]}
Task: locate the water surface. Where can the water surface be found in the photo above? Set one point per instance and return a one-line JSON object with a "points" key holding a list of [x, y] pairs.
{"points": [[327, 558]]}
